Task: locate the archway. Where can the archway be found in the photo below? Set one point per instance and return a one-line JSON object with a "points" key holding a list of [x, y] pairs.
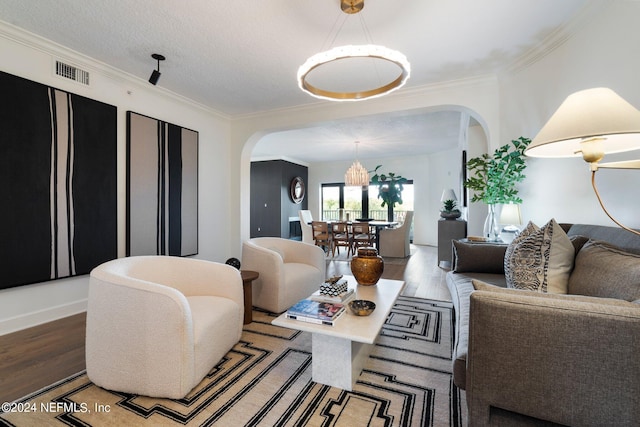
{"points": [[473, 137]]}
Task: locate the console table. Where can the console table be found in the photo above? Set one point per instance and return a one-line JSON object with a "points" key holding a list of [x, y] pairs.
{"points": [[448, 230]]}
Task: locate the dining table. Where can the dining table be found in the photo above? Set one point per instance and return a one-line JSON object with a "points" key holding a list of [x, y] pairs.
{"points": [[377, 224]]}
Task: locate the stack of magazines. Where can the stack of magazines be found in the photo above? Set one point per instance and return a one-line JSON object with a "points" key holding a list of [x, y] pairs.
{"points": [[322, 313]]}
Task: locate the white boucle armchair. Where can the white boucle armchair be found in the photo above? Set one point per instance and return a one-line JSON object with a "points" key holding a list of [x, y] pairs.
{"points": [[289, 271], [156, 325]]}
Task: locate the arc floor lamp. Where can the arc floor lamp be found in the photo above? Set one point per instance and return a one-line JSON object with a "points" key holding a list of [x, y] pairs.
{"points": [[591, 123]]}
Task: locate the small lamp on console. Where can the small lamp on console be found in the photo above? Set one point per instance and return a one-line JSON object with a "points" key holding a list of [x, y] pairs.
{"points": [[512, 217], [591, 123]]}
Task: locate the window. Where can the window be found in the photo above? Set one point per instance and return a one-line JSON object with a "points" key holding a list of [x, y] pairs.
{"points": [[361, 204], [353, 202], [332, 200]]}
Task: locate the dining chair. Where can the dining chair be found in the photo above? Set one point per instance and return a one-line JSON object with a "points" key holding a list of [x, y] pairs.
{"points": [[395, 242], [341, 236], [305, 225], [362, 235], [321, 235]]}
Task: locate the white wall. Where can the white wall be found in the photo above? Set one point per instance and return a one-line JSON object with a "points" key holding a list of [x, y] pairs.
{"points": [[476, 97], [430, 174], [476, 212], [602, 52], [418, 169], [30, 57]]}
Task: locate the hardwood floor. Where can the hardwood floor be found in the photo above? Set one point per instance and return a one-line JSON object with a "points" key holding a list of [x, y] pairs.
{"points": [[39, 356], [36, 357], [420, 271]]}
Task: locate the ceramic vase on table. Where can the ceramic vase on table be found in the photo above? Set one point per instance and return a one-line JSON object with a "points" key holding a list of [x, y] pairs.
{"points": [[367, 266]]}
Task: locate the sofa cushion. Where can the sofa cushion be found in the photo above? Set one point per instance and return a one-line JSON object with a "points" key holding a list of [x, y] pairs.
{"points": [[616, 236], [540, 261], [478, 257], [479, 285], [578, 242], [215, 330], [603, 270]]}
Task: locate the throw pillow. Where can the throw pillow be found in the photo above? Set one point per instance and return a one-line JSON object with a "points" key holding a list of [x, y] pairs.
{"points": [[578, 242], [541, 261], [478, 257], [526, 232], [603, 270]]}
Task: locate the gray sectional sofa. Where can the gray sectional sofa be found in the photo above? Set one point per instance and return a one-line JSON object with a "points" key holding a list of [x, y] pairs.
{"points": [[528, 358]]}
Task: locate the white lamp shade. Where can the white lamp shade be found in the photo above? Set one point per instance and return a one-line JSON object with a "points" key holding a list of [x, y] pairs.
{"points": [[448, 194], [511, 214], [598, 112]]}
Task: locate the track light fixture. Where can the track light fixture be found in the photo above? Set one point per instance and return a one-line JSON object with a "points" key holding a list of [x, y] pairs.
{"points": [[155, 76]]}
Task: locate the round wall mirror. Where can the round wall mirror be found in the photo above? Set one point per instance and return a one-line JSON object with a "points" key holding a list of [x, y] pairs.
{"points": [[297, 190]]}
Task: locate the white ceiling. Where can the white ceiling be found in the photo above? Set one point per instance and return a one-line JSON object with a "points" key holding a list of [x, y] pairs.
{"points": [[241, 57], [379, 136]]}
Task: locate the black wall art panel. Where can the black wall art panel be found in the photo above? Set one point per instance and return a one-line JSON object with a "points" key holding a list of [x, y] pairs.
{"points": [[162, 188], [58, 186]]}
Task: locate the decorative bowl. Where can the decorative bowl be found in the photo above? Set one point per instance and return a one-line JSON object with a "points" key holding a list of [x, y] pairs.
{"points": [[362, 307]]}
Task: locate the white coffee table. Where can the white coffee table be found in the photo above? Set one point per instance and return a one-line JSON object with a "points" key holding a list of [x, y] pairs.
{"points": [[339, 352]]}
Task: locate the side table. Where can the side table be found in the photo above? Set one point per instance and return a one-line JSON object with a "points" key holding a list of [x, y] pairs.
{"points": [[448, 230], [248, 277]]}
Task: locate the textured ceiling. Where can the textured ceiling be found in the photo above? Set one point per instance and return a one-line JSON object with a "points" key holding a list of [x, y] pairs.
{"points": [[379, 136], [241, 57]]}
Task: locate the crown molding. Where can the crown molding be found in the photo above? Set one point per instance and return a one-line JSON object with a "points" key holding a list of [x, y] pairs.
{"points": [[559, 37], [486, 80], [65, 54]]}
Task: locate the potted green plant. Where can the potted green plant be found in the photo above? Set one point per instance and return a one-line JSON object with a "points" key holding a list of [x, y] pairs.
{"points": [[390, 188], [494, 179], [449, 210]]}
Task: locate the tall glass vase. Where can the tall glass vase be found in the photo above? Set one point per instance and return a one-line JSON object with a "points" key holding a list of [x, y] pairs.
{"points": [[491, 230]]}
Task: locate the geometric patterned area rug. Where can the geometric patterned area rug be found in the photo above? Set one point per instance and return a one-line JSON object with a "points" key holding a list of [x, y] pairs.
{"points": [[265, 380]]}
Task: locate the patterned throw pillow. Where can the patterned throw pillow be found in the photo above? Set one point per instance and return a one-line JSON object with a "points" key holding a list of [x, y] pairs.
{"points": [[541, 260], [526, 232]]}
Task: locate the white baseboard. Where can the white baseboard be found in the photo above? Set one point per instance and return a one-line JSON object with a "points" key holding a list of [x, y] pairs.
{"points": [[36, 318]]}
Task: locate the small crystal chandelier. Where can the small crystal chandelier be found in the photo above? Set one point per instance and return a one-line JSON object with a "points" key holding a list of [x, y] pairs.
{"points": [[357, 175], [354, 52]]}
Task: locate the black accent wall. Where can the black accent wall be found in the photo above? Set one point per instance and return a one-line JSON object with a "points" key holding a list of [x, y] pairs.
{"points": [[271, 204]]}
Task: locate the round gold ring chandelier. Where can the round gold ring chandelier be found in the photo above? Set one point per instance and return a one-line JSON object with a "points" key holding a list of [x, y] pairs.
{"points": [[350, 52], [345, 53]]}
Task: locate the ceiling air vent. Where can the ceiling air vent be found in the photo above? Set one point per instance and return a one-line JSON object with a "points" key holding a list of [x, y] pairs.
{"points": [[73, 73]]}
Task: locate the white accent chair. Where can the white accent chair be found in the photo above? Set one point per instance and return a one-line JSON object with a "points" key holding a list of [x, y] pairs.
{"points": [[156, 325], [289, 271], [394, 242], [305, 226]]}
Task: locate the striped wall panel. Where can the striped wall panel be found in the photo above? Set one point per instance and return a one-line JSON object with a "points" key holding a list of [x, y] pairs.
{"points": [[162, 188], [58, 175]]}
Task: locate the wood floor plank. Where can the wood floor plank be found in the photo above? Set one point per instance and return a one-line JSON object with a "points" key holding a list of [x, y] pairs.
{"points": [[38, 356]]}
